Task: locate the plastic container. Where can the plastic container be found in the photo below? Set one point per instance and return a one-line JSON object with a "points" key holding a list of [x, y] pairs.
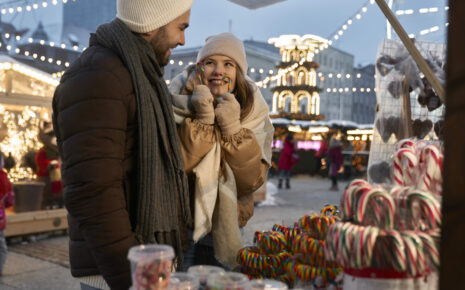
{"points": [[228, 281], [267, 284], [203, 271], [151, 266], [183, 281]]}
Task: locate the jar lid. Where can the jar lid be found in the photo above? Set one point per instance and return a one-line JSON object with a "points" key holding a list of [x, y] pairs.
{"points": [[183, 281], [151, 252], [267, 284], [228, 280], [203, 271]]}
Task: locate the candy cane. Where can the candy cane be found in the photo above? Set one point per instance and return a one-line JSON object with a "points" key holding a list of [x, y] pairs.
{"points": [[366, 197], [430, 207], [406, 143], [405, 175], [430, 249], [432, 159], [350, 195], [399, 254]]}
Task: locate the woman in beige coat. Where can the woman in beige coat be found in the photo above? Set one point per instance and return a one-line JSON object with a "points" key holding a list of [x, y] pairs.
{"points": [[226, 137]]}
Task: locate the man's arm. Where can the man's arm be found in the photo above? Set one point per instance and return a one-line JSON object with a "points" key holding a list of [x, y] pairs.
{"points": [[90, 122]]}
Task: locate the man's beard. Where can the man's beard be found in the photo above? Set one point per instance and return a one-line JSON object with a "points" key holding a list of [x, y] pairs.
{"points": [[160, 47]]}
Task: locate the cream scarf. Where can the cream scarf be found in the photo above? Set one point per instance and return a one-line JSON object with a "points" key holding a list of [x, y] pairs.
{"points": [[216, 197]]}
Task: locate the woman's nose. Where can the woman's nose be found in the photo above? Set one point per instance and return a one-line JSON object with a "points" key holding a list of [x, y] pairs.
{"points": [[218, 70]]}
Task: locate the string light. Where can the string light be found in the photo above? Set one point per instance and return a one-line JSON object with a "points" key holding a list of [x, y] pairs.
{"points": [[28, 8], [421, 11], [357, 15]]}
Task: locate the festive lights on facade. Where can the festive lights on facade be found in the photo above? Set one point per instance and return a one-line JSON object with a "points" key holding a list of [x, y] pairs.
{"points": [[22, 135]]}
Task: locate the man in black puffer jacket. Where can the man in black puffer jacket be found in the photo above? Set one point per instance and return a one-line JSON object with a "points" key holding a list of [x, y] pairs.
{"points": [[122, 169]]}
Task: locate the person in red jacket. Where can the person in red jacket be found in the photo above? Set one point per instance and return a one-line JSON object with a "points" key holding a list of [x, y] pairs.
{"points": [[6, 200], [48, 169], [287, 159]]}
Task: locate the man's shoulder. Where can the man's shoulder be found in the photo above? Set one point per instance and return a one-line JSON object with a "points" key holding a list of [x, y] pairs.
{"points": [[100, 62], [97, 73]]}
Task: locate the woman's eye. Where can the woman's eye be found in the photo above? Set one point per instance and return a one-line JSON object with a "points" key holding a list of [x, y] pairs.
{"points": [[229, 64], [208, 62]]}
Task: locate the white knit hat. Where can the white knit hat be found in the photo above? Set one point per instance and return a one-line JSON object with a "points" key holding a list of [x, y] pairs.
{"points": [[226, 44], [147, 15]]}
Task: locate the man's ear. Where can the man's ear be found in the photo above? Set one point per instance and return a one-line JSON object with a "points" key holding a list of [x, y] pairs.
{"points": [[148, 35]]}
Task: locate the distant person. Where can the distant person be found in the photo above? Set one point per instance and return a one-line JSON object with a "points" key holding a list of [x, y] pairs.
{"points": [[335, 161], [224, 128], [321, 153], [7, 199], [287, 160], [123, 173], [47, 166]]}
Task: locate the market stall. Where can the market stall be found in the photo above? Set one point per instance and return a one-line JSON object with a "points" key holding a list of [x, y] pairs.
{"points": [[25, 115]]}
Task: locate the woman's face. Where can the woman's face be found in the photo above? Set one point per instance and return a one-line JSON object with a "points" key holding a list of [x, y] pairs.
{"points": [[219, 71]]}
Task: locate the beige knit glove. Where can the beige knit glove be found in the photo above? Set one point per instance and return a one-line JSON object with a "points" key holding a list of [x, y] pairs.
{"points": [[202, 100], [228, 113]]}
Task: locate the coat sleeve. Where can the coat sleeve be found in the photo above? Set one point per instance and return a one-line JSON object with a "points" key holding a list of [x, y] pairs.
{"points": [[90, 119], [243, 154], [197, 140]]}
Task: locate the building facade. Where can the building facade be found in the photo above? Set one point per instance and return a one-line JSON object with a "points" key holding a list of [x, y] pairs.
{"points": [[364, 95], [335, 78]]}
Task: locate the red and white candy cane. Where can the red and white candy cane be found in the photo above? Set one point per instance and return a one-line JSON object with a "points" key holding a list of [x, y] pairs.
{"points": [[430, 209], [366, 197], [405, 163], [431, 250], [349, 197], [406, 143], [398, 254], [431, 159]]}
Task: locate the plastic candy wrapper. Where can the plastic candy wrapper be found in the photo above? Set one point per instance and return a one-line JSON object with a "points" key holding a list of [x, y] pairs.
{"points": [[151, 266]]}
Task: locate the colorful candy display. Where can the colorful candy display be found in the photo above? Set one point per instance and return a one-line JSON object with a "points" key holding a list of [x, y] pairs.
{"points": [[293, 254], [396, 230]]}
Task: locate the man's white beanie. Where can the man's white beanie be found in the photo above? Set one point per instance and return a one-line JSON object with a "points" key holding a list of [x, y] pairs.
{"points": [[226, 44], [147, 15]]}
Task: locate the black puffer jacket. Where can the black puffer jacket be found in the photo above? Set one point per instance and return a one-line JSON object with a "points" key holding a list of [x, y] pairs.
{"points": [[95, 118]]}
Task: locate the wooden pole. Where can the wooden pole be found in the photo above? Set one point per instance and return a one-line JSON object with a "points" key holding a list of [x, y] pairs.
{"points": [[452, 268], [406, 110], [412, 49]]}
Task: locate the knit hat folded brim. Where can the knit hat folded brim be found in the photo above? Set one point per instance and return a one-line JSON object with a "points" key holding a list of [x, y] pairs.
{"points": [[226, 44], [147, 15]]}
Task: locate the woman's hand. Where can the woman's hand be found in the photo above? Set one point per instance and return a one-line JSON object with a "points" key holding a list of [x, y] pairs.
{"points": [[202, 100], [228, 113]]}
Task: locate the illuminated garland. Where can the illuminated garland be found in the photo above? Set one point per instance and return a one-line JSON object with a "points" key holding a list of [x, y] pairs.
{"points": [[23, 129], [31, 7]]}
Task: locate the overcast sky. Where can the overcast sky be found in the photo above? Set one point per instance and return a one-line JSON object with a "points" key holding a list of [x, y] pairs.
{"points": [[319, 17]]}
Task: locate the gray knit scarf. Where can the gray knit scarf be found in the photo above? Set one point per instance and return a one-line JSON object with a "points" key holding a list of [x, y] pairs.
{"points": [[162, 181]]}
